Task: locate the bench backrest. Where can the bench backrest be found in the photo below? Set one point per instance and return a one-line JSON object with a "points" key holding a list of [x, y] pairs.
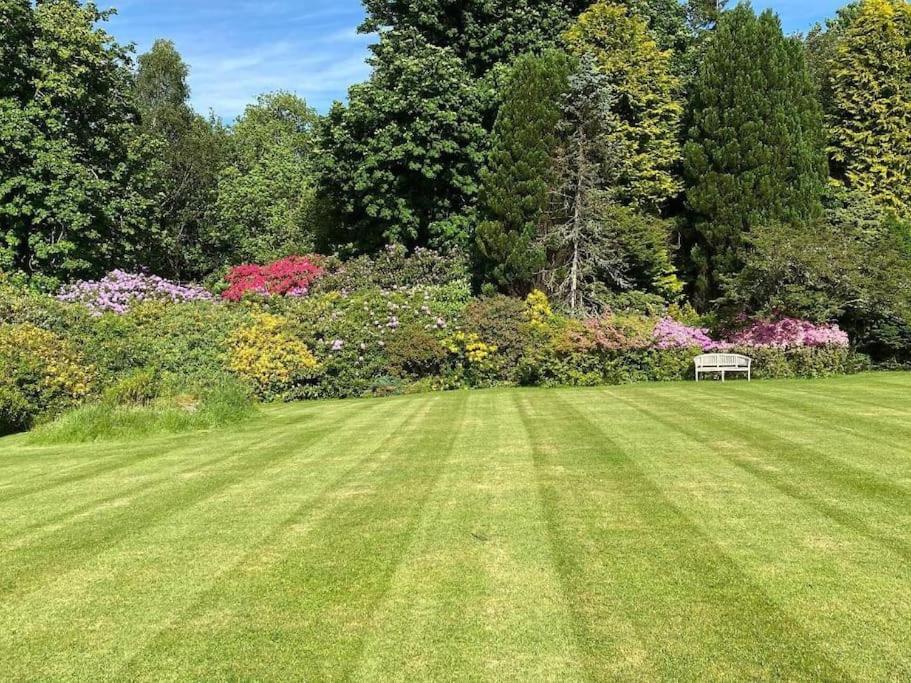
{"points": [[723, 360]]}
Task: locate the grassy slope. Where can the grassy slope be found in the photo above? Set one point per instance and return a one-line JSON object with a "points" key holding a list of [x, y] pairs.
{"points": [[678, 531]]}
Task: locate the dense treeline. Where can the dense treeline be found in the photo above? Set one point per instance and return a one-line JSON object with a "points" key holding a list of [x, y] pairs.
{"points": [[617, 154]]}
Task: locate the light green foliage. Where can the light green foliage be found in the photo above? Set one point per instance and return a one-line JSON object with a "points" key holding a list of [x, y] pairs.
{"points": [[517, 182], [562, 535], [211, 408], [265, 193], [755, 151], [647, 104], [870, 117], [400, 162], [72, 181]]}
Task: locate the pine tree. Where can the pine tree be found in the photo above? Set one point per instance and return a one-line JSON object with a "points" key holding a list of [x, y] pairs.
{"points": [[515, 183], [756, 143], [870, 116], [646, 99]]}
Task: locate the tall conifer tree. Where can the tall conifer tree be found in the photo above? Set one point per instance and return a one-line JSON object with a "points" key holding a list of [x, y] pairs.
{"points": [[869, 78], [756, 148], [516, 182]]}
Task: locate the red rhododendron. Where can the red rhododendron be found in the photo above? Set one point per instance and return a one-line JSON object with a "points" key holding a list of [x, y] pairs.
{"points": [[291, 276]]}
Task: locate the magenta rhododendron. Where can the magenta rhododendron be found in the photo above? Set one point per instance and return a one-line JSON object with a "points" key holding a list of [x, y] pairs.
{"points": [[119, 290], [789, 333], [292, 276]]}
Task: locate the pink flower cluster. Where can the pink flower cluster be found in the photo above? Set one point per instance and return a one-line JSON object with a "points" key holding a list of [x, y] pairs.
{"points": [[118, 290], [670, 334], [789, 333], [784, 334], [291, 276]]}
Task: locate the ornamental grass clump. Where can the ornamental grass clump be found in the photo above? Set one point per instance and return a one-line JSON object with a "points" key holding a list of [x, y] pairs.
{"points": [[789, 333], [292, 277], [119, 290]]}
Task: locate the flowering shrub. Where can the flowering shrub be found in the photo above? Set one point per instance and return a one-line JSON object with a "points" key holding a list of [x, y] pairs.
{"points": [[292, 276], [468, 346], [119, 290], [40, 373], [538, 310], [670, 334], [270, 358], [790, 333], [351, 333]]}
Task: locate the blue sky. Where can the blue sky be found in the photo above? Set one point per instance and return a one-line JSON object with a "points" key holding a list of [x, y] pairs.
{"points": [[238, 49]]}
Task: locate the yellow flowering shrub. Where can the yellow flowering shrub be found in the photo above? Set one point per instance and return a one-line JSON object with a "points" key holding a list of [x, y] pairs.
{"points": [[268, 356], [538, 311], [469, 346], [40, 373]]}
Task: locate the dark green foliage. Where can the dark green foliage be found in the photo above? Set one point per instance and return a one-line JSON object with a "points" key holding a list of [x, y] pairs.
{"points": [[483, 33], [400, 162], [852, 265], [393, 268], [415, 352], [17, 29], [755, 153], [516, 182], [72, 181]]}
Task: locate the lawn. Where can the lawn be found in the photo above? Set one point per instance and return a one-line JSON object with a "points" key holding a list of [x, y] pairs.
{"points": [[734, 531]]}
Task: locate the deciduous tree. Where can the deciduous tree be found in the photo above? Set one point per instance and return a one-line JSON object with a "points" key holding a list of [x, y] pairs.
{"points": [[400, 163], [71, 184]]}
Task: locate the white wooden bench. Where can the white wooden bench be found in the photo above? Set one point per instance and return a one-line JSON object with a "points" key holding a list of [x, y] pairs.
{"points": [[723, 363]]}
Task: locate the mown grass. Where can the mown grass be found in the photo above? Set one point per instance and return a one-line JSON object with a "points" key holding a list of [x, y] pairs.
{"points": [[710, 532]]}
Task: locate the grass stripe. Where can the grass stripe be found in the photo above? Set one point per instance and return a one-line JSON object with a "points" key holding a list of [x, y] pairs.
{"points": [[474, 595], [722, 604]]}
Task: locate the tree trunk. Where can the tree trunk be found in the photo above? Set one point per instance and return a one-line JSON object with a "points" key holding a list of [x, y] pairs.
{"points": [[576, 232]]}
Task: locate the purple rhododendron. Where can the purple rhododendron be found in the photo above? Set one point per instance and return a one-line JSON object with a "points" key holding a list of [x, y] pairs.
{"points": [[670, 334], [790, 333], [118, 290]]}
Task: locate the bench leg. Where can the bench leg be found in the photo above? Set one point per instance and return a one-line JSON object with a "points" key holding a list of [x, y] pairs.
{"points": [[722, 375]]}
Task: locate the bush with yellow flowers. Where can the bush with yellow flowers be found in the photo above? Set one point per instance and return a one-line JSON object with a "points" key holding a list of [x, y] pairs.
{"points": [[41, 374], [266, 355]]}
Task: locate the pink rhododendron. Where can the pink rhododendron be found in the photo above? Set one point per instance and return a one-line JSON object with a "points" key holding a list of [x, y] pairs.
{"points": [[670, 334], [790, 333]]}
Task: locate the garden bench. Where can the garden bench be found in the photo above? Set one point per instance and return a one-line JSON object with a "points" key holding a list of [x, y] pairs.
{"points": [[723, 363]]}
